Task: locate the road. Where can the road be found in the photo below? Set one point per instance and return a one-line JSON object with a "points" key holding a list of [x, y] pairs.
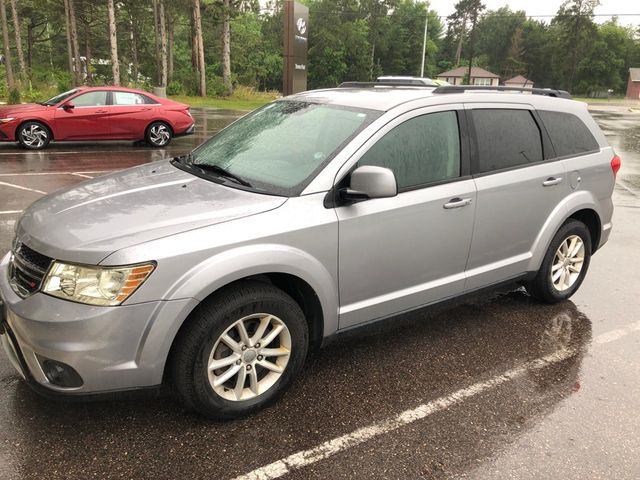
{"points": [[497, 388]]}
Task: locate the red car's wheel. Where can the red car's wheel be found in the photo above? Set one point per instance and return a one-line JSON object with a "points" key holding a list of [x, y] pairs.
{"points": [[159, 134], [33, 135]]}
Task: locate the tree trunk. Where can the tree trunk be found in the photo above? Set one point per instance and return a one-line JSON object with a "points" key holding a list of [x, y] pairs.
{"points": [[29, 46], [461, 40], [77, 62], [226, 50], [170, 31], [87, 51], [156, 28], [163, 44], [134, 50], [7, 47], [16, 27], [202, 70], [113, 41], [68, 29]]}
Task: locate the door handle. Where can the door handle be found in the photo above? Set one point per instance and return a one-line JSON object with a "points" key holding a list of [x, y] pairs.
{"points": [[457, 202], [552, 181], [101, 111]]}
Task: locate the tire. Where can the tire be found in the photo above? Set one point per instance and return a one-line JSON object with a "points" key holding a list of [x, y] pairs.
{"points": [[200, 343], [158, 135], [33, 135], [549, 285]]}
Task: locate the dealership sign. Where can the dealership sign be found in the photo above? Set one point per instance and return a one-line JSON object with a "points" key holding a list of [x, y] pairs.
{"points": [[296, 37]]}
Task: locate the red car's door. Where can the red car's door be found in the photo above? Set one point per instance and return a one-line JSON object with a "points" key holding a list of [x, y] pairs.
{"points": [[87, 120], [130, 115]]}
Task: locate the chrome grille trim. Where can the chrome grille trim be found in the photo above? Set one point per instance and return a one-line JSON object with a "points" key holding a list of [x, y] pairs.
{"points": [[27, 269]]}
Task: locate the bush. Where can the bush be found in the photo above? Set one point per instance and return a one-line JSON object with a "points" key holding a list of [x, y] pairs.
{"points": [[175, 88], [14, 96], [63, 81]]}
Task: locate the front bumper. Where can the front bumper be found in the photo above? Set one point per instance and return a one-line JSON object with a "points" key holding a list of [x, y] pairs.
{"points": [[110, 348]]}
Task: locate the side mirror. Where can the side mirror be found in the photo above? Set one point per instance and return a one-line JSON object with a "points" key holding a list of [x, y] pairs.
{"points": [[371, 182], [68, 106]]}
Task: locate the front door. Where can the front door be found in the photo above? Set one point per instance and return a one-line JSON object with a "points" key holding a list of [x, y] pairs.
{"points": [[399, 253], [87, 120]]}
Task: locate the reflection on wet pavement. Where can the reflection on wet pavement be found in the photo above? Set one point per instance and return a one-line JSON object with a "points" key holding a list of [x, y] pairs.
{"points": [[361, 377]]}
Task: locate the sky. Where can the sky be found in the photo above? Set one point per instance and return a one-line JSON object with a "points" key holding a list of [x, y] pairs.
{"points": [[550, 7]]}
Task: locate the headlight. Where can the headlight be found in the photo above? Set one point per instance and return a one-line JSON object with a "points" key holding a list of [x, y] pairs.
{"points": [[6, 120], [95, 285]]}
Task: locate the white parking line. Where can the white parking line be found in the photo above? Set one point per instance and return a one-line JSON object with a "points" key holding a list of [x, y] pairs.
{"points": [[81, 175], [19, 187], [36, 174], [331, 447], [10, 212]]}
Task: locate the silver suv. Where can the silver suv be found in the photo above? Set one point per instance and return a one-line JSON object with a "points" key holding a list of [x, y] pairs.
{"points": [[317, 213]]}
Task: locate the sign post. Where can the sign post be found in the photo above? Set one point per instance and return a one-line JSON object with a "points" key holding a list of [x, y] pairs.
{"points": [[296, 36]]}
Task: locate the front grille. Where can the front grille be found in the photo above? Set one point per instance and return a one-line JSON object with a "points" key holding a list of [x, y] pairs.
{"points": [[27, 269]]}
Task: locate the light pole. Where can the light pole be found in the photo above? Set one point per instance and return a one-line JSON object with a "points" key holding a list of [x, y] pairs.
{"points": [[424, 40]]}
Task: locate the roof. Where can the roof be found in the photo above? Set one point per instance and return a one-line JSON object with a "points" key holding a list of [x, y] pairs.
{"points": [[384, 98], [476, 72], [634, 74], [381, 97], [518, 80]]}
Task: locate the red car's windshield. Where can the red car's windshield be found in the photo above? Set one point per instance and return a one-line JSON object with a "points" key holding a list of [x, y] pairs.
{"points": [[60, 97]]}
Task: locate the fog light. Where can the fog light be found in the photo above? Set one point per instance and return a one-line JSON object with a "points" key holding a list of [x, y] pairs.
{"points": [[60, 374]]}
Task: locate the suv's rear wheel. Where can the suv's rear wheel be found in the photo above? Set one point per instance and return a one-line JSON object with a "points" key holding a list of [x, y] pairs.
{"points": [[240, 351], [565, 263]]}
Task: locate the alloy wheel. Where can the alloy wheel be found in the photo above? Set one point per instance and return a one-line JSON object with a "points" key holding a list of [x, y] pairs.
{"points": [[34, 136], [249, 357], [159, 135], [567, 263]]}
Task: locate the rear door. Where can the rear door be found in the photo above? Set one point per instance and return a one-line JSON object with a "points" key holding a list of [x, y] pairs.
{"points": [[130, 114], [519, 185], [89, 119], [399, 253]]}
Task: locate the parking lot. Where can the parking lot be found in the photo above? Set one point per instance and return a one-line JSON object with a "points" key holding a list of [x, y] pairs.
{"points": [[499, 387]]}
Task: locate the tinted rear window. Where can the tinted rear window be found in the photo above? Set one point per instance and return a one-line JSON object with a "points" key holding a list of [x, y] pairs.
{"points": [[569, 135], [506, 138]]}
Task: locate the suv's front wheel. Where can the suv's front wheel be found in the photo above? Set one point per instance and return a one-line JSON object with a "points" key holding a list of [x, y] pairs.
{"points": [[565, 263], [240, 350]]}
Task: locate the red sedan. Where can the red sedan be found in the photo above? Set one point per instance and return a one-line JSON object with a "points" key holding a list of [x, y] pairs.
{"points": [[96, 113]]}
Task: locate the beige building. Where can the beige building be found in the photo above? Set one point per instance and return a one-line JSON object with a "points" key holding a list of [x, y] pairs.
{"points": [[518, 81], [479, 76]]}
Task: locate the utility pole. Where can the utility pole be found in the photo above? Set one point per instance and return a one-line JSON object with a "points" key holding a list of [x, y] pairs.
{"points": [[424, 40]]}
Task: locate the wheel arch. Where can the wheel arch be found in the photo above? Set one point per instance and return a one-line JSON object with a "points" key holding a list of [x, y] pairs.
{"points": [[297, 288], [582, 206], [159, 120], [39, 120]]}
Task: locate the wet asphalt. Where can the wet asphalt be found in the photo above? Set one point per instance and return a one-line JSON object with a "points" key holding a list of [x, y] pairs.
{"points": [[573, 417]]}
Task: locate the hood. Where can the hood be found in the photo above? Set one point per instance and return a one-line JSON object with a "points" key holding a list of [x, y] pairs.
{"points": [[89, 221], [8, 110]]}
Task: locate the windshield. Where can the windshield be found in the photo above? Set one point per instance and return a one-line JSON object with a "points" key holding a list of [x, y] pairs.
{"points": [[60, 97], [280, 147]]}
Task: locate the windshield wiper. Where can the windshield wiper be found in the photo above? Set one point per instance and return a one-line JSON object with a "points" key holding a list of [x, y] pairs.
{"points": [[222, 172], [182, 159]]}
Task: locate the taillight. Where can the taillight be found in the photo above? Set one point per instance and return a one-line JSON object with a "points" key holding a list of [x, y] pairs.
{"points": [[615, 165]]}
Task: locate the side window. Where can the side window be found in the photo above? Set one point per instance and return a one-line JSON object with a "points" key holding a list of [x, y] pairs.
{"points": [[506, 138], [90, 99], [569, 135], [127, 98], [422, 150]]}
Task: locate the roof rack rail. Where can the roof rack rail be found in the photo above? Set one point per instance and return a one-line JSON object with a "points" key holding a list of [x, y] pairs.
{"points": [[382, 84], [535, 91]]}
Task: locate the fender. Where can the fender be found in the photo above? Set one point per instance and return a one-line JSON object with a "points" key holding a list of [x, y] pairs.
{"points": [[238, 263], [574, 202], [221, 270]]}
